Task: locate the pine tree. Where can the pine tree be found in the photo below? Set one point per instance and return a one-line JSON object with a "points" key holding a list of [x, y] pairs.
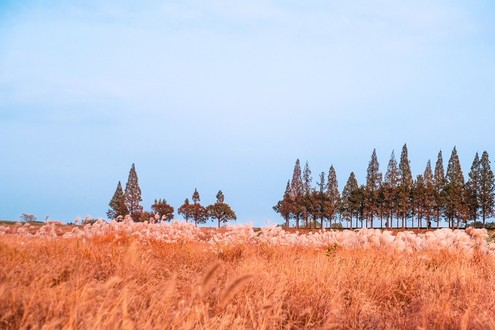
{"points": [[472, 188], [390, 189], [197, 211], [429, 200], [439, 182], [220, 210], [333, 195], [454, 190], [321, 201], [418, 199], [405, 186], [284, 206], [163, 210], [132, 195], [349, 205], [185, 210], [373, 184], [117, 204], [486, 188], [296, 191], [307, 200]]}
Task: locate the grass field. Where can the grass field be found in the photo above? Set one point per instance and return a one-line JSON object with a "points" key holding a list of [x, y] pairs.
{"points": [[115, 280]]}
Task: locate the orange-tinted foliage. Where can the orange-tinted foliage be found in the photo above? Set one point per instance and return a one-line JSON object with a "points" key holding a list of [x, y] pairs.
{"points": [[104, 283]]}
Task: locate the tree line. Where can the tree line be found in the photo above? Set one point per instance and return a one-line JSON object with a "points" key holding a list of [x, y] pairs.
{"points": [[128, 202], [432, 196]]}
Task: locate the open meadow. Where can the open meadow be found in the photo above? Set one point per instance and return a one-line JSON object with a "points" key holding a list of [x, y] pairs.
{"points": [[178, 276]]}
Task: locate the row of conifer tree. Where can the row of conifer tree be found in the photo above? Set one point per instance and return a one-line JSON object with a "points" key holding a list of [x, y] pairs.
{"points": [[128, 202], [395, 199]]}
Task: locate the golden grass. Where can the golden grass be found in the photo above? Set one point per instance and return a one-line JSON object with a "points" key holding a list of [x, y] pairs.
{"points": [[109, 283]]}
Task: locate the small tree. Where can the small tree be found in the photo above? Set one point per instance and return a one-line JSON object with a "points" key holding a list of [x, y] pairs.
{"points": [[163, 209], [220, 210], [117, 204], [185, 210], [28, 217], [132, 194], [197, 211]]}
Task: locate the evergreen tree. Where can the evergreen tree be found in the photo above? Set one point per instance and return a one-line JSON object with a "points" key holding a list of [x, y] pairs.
{"points": [[358, 199], [321, 201], [284, 206], [220, 210], [405, 186], [307, 200], [418, 199], [132, 195], [350, 205], [439, 182], [197, 211], [429, 198], [373, 184], [185, 210], [117, 204], [307, 179], [486, 188], [390, 189], [296, 191], [472, 188], [333, 195], [163, 210], [454, 190]]}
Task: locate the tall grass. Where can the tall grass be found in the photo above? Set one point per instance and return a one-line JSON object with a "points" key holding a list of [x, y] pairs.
{"points": [[109, 282]]}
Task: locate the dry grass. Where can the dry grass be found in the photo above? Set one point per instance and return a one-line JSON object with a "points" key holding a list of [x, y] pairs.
{"points": [[108, 283]]}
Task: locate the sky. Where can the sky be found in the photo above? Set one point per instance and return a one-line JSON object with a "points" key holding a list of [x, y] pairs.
{"points": [[228, 94]]}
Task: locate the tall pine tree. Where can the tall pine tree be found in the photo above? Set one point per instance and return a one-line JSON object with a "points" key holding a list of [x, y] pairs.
{"points": [[487, 188], [405, 186], [117, 204], [350, 205], [390, 189], [373, 184], [307, 200], [132, 195], [296, 191], [429, 198], [472, 188], [454, 190], [333, 195], [439, 182], [418, 199]]}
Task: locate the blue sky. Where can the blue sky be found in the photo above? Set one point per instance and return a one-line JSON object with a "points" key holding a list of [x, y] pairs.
{"points": [[227, 94]]}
